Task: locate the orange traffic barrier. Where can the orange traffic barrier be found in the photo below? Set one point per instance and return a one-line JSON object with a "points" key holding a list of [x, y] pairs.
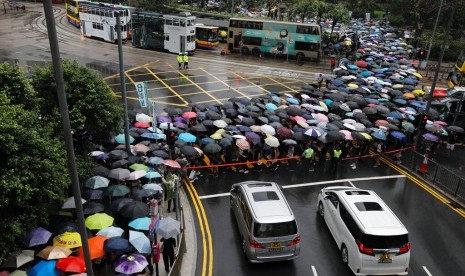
{"points": [[424, 165]]}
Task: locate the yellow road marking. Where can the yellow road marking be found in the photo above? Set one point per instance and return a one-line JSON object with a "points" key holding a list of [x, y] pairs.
{"points": [[253, 84], [292, 89], [167, 86], [131, 69], [229, 86], [425, 187]]}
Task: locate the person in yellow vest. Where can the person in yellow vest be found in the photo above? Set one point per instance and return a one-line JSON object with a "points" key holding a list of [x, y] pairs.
{"points": [[308, 157], [180, 60], [336, 157], [186, 60]]}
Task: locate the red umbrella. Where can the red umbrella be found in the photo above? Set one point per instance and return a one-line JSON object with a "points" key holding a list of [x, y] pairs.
{"points": [[71, 264], [189, 115], [285, 132], [142, 124], [381, 123], [172, 163], [361, 63]]}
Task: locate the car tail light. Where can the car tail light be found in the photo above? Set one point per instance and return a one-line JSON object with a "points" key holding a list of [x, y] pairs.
{"points": [[254, 244], [364, 250], [295, 241], [404, 249]]}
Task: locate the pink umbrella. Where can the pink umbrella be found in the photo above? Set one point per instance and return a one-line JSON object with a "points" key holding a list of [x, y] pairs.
{"points": [[141, 148], [242, 144], [381, 123], [142, 124], [320, 117], [298, 118], [348, 134], [441, 123], [189, 115], [171, 163]]}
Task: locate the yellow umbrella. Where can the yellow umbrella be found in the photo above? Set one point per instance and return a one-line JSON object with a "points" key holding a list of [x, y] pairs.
{"points": [[325, 107], [409, 96], [68, 240], [366, 135], [54, 252], [216, 136], [352, 85], [418, 92], [418, 75], [99, 221], [220, 131]]}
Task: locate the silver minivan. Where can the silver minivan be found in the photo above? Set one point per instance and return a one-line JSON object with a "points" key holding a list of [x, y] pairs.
{"points": [[265, 220]]}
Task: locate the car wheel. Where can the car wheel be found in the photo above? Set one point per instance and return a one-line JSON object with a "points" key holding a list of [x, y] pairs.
{"points": [[245, 50], [344, 255], [256, 52], [321, 210], [300, 57]]}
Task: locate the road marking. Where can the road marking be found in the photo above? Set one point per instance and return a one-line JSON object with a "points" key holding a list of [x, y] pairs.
{"points": [[314, 271], [320, 183], [228, 85], [167, 86], [351, 184], [427, 271]]}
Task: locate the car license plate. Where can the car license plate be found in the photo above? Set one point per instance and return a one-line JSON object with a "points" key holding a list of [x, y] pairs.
{"points": [[275, 245], [385, 259]]}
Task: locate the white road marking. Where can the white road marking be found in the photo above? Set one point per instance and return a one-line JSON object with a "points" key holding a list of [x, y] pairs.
{"points": [[320, 183], [314, 271], [427, 271]]}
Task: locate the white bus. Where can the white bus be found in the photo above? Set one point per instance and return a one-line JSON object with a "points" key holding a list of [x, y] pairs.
{"points": [[99, 20], [172, 33]]}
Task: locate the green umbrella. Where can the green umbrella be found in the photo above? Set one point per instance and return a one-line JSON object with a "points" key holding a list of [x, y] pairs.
{"points": [[96, 182], [139, 167], [99, 221], [117, 190], [120, 139], [408, 127]]}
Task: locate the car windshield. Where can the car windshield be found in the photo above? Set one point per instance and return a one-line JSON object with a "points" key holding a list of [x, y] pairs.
{"points": [[269, 230]]}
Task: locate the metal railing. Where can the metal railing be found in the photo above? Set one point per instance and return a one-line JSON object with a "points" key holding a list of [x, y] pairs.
{"points": [[181, 249]]}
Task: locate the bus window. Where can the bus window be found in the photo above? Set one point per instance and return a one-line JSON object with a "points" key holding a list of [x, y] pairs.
{"points": [[169, 22], [248, 40], [191, 22], [231, 34], [175, 22], [302, 46], [232, 23], [182, 23], [167, 37]]}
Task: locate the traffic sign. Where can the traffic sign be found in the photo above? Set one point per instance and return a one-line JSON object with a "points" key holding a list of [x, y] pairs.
{"points": [[141, 88]]}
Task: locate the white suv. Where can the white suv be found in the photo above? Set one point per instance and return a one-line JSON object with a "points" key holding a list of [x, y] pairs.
{"points": [[371, 238]]}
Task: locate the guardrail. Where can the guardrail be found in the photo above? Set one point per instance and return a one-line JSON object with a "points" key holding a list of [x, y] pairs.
{"points": [[181, 248]]}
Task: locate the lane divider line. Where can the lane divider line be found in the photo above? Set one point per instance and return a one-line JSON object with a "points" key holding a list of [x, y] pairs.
{"points": [[351, 184], [427, 271], [229, 86], [314, 271], [167, 86]]}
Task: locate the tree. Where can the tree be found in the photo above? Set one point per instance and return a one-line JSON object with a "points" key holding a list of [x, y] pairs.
{"points": [[94, 112], [33, 172]]}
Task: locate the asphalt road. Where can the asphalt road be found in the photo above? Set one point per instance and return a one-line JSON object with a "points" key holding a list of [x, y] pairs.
{"points": [[435, 231]]}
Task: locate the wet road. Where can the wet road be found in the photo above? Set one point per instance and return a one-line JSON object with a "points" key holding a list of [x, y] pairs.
{"points": [[435, 231]]}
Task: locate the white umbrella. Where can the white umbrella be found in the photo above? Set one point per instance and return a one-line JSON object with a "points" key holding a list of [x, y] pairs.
{"points": [[153, 186], [137, 174], [141, 117], [96, 182], [220, 123], [237, 136], [69, 203], [111, 232], [140, 242], [267, 129], [168, 228], [272, 141], [96, 153], [166, 125], [349, 126], [19, 258]]}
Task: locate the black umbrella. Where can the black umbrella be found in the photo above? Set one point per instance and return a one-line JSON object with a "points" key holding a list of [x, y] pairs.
{"points": [[225, 142], [212, 148], [332, 127], [273, 118], [101, 171], [369, 110], [248, 121], [139, 195], [92, 194], [336, 97], [207, 123], [433, 113], [160, 153], [134, 159], [230, 112], [173, 111], [282, 114], [263, 119], [275, 124], [352, 104], [455, 129], [91, 207], [359, 115], [357, 136], [253, 108], [67, 226], [334, 135], [189, 151], [119, 163], [366, 122], [299, 136], [334, 117], [228, 105], [134, 209], [118, 154], [199, 128], [117, 204], [213, 115], [134, 134], [243, 128], [179, 143]]}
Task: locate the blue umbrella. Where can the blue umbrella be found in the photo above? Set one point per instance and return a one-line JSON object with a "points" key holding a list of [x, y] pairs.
{"points": [[400, 101], [276, 99], [379, 135], [153, 136], [156, 161], [140, 223], [244, 128], [117, 245], [399, 136], [396, 115], [430, 137], [338, 82], [36, 236], [120, 139], [140, 241], [365, 74], [418, 104], [44, 268], [271, 106], [187, 137], [292, 100], [151, 175], [352, 67], [206, 141]]}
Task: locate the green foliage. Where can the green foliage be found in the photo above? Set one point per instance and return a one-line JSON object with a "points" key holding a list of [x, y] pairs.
{"points": [[94, 113], [33, 171], [17, 88]]}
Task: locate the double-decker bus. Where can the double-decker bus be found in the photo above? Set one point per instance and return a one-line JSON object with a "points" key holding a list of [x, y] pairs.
{"points": [[206, 36], [458, 76], [172, 33], [72, 11], [299, 40], [98, 20]]}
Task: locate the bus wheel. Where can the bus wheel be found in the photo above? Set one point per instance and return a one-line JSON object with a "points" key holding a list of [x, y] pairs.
{"points": [[256, 52], [245, 50], [300, 57]]}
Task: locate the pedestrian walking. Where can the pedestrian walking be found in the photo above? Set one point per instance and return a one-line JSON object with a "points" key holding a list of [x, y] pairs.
{"points": [[180, 60], [320, 81], [451, 140], [379, 150], [167, 249], [170, 190], [308, 157], [185, 59], [332, 63]]}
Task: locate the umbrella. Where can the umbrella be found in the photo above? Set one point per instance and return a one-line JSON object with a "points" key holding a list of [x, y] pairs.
{"points": [[243, 144], [68, 239], [119, 203], [70, 204], [139, 167], [268, 129], [131, 264], [134, 209], [96, 153], [140, 223], [313, 132], [155, 160], [207, 141], [101, 170], [35, 237], [111, 232], [160, 153], [117, 245], [284, 132], [212, 148], [67, 226], [119, 163], [271, 106], [118, 154], [455, 129], [272, 141], [430, 137], [141, 117], [117, 190], [199, 128], [379, 135], [19, 258], [399, 136], [71, 264], [168, 228], [220, 123], [96, 247], [92, 194], [91, 207], [173, 111], [119, 173], [144, 193], [189, 115], [216, 136], [187, 137], [137, 174], [171, 163], [151, 175], [141, 148], [290, 142], [153, 136], [141, 125], [334, 135], [99, 221], [54, 252], [189, 151], [140, 242], [120, 139], [347, 134], [96, 182], [44, 268]]}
